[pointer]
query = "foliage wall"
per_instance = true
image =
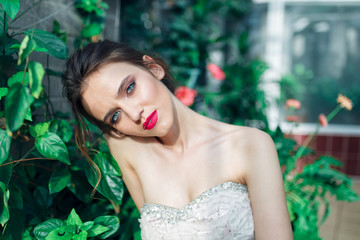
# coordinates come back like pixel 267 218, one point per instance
pixel 46 192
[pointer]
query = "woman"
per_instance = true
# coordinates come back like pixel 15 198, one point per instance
pixel 191 177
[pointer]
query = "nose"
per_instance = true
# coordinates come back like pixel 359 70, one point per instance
pixel 133 111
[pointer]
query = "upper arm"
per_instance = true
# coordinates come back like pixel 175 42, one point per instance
pixel 128 173
pixel 266 189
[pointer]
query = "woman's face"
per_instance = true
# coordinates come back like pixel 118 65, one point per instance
pixel 130 99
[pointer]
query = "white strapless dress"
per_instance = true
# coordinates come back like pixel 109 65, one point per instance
pixel 222 212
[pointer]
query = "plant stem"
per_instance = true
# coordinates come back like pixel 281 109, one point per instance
pixel 333 113
pixel 28 153
pixel 25 160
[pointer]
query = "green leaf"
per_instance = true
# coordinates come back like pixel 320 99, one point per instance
pixel 15 226
pixel 28 115
pixel 17 103
pixel 97 230
pixel 4 208
pixel 62 233
pixel 87 225
pixel 81 236
pixel 108 164
pixel 26 48
pixel 74 219
pixel 3 92
pixel 59 180
pixel 5 142
pixel 36 74
pixel 62 128
pixel 18 78
pixel 55 46
pixel 6 172
pixel 39 129
pixel 91 30
pixel 50 145
pixel 112 222
pixel 42 197
pixel 44 228
pixel 11 7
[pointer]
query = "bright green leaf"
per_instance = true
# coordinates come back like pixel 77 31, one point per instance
pixel 28 115
pixel 59 180
pixel 91 30
pixel 112 222
pixel 97 230
pixel 26 48
pixel 39 129
pixel 3 92
pixel 17 103
pixel 51 146
pixel 87 225
pixel 5 142
pixel 18 78
pixel 4 208
pixel 62 233
pixel 11 7
pixel 55 46
pixel 36 74
pixel 81 236
pixel 43 229
pixel 74 219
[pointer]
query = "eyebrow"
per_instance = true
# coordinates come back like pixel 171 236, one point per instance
pixel 118 93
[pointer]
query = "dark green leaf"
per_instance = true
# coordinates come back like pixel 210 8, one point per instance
pixel 4 208
pixel 18 78
pixel 15 200
pixel 112 222
pixel 11 7
pixel 91 30
pixel 55 46
pixel 15 226
pixel 6 172
pixel 36 74
pixel 5 141
pixel 2 12
pixel 43 229
pixel 17 103
pixel 51 146
pixel 42 197
pixel 59 180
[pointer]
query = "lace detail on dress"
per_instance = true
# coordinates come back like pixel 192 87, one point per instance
pixel 222 212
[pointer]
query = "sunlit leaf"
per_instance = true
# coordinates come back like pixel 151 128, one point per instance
pixel 112 222
pixel 36 74
pixel 43 229
pixel 3 92
pixel 51 146
pixel 74 219
pixel 18 78
pixel 11 7
pixel 26 48
pixel 97 230
pixel 62 233
pixel 17 103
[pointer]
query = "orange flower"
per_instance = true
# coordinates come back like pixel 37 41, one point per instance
pixel 293 103
pixel 323 120
pixel 186 95
pixel 344 102
pixel 216 71
pixel 292 118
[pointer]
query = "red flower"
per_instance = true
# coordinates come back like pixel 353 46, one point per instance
pixel 292 118
pixel 323 120
pixel 186 95
pixel 216 71
pixel 293 103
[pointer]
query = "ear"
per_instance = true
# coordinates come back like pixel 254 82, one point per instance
pixel 154 68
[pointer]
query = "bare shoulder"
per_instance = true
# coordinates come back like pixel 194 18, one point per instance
pixel 263 177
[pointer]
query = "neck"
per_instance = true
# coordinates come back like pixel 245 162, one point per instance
pixel 186 128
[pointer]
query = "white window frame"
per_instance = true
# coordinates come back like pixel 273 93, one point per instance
pixel 274 56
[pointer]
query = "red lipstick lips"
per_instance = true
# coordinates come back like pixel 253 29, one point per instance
pixel 150 121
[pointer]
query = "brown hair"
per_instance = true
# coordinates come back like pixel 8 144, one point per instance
pixel 85 62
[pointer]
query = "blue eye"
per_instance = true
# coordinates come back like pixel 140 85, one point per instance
pixel 130 88
pixel 114 118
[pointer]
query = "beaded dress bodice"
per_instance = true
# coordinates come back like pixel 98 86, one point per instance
pixel 222 212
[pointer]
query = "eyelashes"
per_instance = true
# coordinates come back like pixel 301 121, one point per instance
pixel 116 115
